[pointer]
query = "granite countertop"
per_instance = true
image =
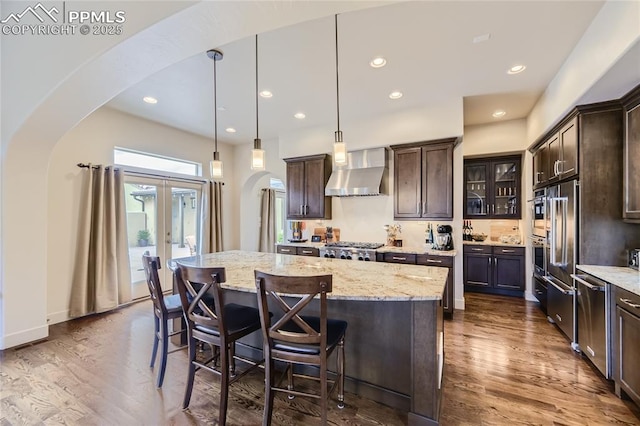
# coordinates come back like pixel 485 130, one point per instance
pixel 621 276
pixel 351 280
pixel 491 243
pixel 416 250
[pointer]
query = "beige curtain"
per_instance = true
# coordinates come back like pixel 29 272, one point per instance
pixel 101 279
pixel 268 221
pixel 211 229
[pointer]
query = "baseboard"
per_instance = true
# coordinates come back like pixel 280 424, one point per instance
pixel 530 297
pixel 24 337
pixel 459 304
pixel 58 317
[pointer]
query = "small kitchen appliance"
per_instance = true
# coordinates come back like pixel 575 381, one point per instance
pixel 444 239
pixel 634 258
pixel 297 227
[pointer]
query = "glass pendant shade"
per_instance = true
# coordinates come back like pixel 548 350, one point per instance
pixel 215 166
pixel 339 149
pixel 257 159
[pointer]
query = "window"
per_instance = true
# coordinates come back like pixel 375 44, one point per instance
pixel 125 157
pixel 278 185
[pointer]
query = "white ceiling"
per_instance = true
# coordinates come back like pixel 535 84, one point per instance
pixel 430 56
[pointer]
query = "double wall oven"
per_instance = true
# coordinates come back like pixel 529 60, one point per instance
pixel 538 239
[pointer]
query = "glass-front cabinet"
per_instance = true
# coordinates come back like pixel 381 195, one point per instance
pixel 492 187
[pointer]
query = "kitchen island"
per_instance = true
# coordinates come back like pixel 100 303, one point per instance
pixel 395 339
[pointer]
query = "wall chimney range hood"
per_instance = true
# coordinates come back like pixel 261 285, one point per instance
pixel 365 173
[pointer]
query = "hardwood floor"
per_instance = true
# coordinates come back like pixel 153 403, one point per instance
pixel 505 365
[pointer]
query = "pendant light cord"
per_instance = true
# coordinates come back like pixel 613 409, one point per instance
pixel 257 135
pixel 215 104
pixel 337 76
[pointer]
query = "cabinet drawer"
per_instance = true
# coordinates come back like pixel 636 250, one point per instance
pixel 509 251
pixel 308 251
pixel 625 299
pixel 286 250
pixel 477 249
pixel 433 260
pixel 400 258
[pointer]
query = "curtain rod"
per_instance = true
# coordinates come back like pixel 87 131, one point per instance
pixel 146 174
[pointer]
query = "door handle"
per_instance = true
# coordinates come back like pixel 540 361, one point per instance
pixel 418 208
pixel 564 291
pixel 508 251
pixel 398 258
pixel 587 284
pixel 434 261
pixel 424 207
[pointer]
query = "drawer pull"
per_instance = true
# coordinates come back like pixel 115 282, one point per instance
pixel 628 302
pixel 477 249
pixel 508 251
pixel 399 258
pixel 285 250
pixel 307 251
pixel 434 261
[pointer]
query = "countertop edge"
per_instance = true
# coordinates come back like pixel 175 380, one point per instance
pixel 621 276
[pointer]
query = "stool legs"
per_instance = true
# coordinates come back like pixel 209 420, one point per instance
pixel 191 373
pixel 154 351
pixel 341 373
pixel 224 383
pixel 268 391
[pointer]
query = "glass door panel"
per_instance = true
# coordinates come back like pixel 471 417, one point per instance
pixel 141 201
pixel 183 234
pixel 476 190
pixel 505 187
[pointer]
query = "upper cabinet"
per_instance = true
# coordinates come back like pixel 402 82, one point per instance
pixel 306 180
pixel 631 192
pixel 492 187
pixel 557 157
pixel 423 180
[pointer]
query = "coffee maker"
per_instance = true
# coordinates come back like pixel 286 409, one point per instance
pixel 444 239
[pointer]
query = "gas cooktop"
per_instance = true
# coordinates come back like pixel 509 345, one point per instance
pixel 356 245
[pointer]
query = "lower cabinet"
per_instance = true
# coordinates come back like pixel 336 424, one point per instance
pixel 300 251
pixel 627 344
pixel 428 260
pixel 494 269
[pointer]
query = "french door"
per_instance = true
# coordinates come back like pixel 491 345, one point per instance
pixel 163 218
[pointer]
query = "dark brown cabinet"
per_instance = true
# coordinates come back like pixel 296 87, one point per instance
pixel 428 260
pixel 492 188
pixel 306 180
pixel 494 269
pixel 631 190
pixel 423 180
pixel 299 251
pixel 627 344
pixel 445 262
pixel 557 158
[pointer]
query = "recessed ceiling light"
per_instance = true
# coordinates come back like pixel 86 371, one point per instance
pixel 150 100
pixel 266 94
pixel 499 113
pixel 516 69
pixel 378 62
pixel 230 130
pixel 395 95
pixel 299 115
pixel 221 108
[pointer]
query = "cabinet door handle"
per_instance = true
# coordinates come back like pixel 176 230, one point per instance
pixel 306 209
pixel 301 210
pixel 489 260
pixel 434 261
pixel 424 207
pixel 493 209
pixel 398 258
pixel 418 207
pixel 628 302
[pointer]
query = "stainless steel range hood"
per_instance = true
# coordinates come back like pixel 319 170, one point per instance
pixel 366 173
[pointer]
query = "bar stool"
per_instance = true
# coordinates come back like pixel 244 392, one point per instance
pixel 165 309
pixel 218 326
pixel 299 339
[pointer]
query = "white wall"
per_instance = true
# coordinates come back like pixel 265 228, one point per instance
pixel 93 141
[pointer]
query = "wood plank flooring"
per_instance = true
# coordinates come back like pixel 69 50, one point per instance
pixel 505 365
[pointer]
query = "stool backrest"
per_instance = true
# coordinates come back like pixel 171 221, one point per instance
pixel 272 291
pixel 151 265
pixel 193 284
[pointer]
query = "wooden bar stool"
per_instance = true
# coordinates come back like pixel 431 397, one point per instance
pixel 298 339
pixel 165 309
pixel 218 326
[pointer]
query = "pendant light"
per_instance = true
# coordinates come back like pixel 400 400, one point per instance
pixel 216 165
pixel 257 154
pixel 339 147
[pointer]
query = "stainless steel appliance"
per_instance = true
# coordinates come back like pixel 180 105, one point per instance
pixel 634 258
pixel 594 337
pixel 562 204
pixel 347 250
pixel 538 222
